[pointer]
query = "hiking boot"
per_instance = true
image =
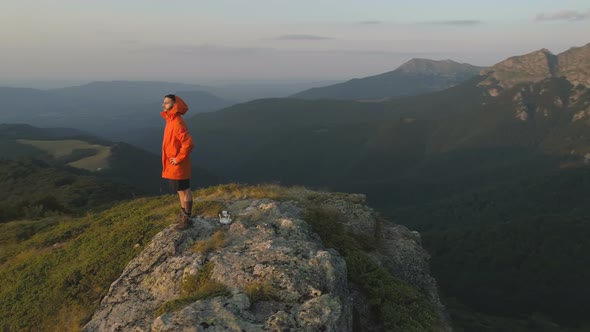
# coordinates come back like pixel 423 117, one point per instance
pixel 184 222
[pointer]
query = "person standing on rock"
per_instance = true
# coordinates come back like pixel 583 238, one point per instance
pixel 177 144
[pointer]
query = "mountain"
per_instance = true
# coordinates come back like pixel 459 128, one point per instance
pixel 415 77
pixel 333 265
pixel 115 162
pixel 540 65
pixel 106 109
pixel 124 93
pixel 251 90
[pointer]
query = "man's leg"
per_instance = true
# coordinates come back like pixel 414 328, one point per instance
pixel 185 197
pixel 186 201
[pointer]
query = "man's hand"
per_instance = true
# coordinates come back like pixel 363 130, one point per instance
pixel 173 161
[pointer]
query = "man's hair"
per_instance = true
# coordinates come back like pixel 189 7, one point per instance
pixel 173 97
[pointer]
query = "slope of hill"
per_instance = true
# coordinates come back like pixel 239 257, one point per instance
pixel 518 269
pixel 119 162
pixel 415 77
pixel 33 189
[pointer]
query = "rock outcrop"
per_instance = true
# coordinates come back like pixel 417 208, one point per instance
pixel 269 243
pixel 573 65
pixel 532 67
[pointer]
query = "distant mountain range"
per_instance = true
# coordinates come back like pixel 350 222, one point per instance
pixel 339 142
pixel 415 77
pixel 106 109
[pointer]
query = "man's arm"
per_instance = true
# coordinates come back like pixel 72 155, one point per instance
pixel 186 143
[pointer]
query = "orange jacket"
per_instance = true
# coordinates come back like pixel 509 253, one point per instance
pixel 177 143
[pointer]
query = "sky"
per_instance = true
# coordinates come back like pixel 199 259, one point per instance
pixel 202 41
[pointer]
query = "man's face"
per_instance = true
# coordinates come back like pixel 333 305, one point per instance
pixel 167 104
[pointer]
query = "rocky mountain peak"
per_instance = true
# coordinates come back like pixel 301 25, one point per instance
pixel 267 271
pixel 534 67
pixel 574 65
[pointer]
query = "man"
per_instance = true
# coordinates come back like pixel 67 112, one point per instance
pixel 177 144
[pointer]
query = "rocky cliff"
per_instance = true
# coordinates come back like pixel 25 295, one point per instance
pixel 278 267
pixel 573 65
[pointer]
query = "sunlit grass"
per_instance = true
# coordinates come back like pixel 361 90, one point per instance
pixel 63 148
pixel 67 267
pixel 195 287
pixel 215 242
pixel 261 291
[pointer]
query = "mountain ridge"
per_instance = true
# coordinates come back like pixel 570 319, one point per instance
pixel 417 76
pixel 572 64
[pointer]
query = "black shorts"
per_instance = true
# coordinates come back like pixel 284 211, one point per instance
pixel 180 185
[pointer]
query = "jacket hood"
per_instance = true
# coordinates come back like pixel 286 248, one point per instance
pixel 180 108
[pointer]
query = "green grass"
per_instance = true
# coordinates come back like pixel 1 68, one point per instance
pixel 67 265
pixel 261 291
pixel 235 191
pixel 216 242
pixel 195 287
pixel 208 208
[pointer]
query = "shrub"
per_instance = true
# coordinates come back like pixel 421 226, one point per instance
pixel 260 291
pixel 195 287
pixel 216 241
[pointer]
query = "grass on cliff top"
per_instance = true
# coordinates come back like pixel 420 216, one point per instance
pixel 237 191
pixel 261 291
pixel 215 242
pixel 53 278
pixel 195 287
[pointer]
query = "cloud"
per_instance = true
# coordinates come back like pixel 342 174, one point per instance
pixel 340 52
pixel 370 22
pixel 563 15
pixel 302 37
pixel 456 22
pixel 220 51
pixel 130 42
pixel 204 50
